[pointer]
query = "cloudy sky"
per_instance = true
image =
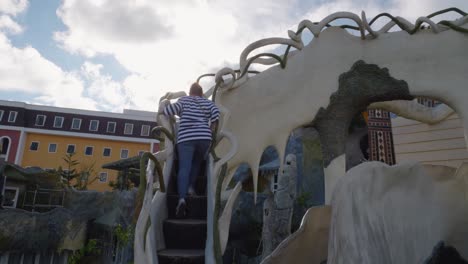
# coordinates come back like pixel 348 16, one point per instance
pixel 113 54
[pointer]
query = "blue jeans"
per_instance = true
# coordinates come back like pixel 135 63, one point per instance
pixel 191 156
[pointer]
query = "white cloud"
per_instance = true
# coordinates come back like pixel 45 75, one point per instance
pixel 165 45
pixel 110 94
pixel 9 26
pixel 408 9
pixel 25 70
pixel 197 38
pixel 13 7
pixel 413 9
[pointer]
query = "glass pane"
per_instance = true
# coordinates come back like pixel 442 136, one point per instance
pixel 89 151
pixel 52 147
pixel 71 149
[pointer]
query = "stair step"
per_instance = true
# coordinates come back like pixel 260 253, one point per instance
pixel 181 256
pixel 185 233
pixel 196 206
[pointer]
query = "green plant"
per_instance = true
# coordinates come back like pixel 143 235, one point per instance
pixel 71 177
pixel 70 173
pixel 91 248
pixel 124 180
pixel 87 176
pixel 302 199
pixel 123 235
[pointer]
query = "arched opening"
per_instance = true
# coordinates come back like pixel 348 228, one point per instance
pixel 245 228
pixel 357 145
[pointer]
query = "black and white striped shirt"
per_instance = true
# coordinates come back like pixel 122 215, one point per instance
pixel 196 114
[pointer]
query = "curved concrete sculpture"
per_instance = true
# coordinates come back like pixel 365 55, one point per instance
pixel 384 214
pixel 397 214
pixel 414 110
pixel 297 248
pixel 333 78
pixel 324 84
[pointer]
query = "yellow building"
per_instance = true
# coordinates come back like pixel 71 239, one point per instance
pixel 41 136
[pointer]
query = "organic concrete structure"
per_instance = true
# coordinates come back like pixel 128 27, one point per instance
pixel 278 208
pixel 376 206
pixel 323 84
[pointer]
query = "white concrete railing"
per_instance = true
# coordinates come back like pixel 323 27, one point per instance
pixel 149 236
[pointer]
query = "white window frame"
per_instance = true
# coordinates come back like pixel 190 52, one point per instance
pixel 130 125
pixel 36 123
pixel 15 200
pixel 73 122
pixel 122 151
pixel 103 173
pixel 61 118
pixel 1 114
pixel 74 148
pixel 56 147
pixel 91 123
pixel 148 131
pixel 104 149
pixel 12 120
pixel 30 145
pixel 92 150
pixel 107 129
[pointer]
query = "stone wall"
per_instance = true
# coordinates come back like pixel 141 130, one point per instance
pixel 63 228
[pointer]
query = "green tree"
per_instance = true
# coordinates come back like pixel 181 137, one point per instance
pixel 70 173
pixel 72 177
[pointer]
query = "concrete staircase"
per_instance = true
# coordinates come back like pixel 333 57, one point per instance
pixel 185 238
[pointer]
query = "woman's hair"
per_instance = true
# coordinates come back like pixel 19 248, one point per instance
pixel 196 89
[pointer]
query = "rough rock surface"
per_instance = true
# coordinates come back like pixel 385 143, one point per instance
pixel 445 254
pixel 62 228
pixel 278 208
pixel 396 214
pixel 357 89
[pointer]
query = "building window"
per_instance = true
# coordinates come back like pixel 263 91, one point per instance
pixel 103 176
pixel 89 151
pixel 76 123
pixel 145 130
pixel 111 127
pixel 106 152
pixel 52 147
pixel 128 129
pixel 58 121
pixel 94 125
pixel 10 198
pixel 141 152
pixel 40 120
pixel 4 148
pixel 34 146
pixel 124 153
pixel 12 116
pixel 70 148
pixel 1 114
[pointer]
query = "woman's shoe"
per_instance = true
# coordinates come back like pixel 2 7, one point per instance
pixel 191 191
pixel 181 208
